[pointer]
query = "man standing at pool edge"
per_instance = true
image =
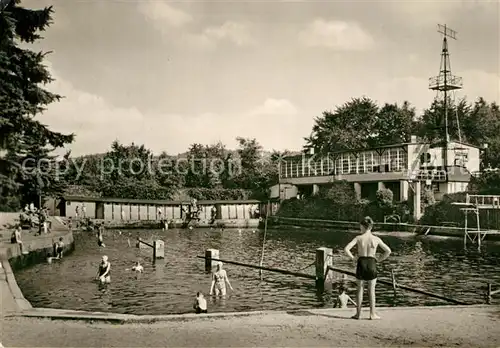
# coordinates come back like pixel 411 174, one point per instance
pixel 366 269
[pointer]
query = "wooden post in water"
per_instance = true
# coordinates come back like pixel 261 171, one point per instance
pixel 323 262
pixel 154 250
pixel 209 255
pixel 488 298
pixel 159 249
pixel 394 285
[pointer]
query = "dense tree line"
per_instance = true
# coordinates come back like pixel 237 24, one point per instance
pixel 28 169
pixel 361 123
pixel 203 172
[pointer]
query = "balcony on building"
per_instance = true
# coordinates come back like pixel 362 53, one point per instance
pixel 387 166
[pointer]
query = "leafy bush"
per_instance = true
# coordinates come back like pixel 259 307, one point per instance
pixel 427 197
pixel 339 191
pixel 218 194
pixel 10 204
pixel 442 211
pixel 325 209
pixel 318 207
pixel 385 197
pixel 445 211
pixel 137 189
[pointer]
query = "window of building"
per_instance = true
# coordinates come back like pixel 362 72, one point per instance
pixel 353 164
pixel 375 161
pixel 299 168
pixel 385 160
pixel 425 158
pixel 393 160
pixel 338 165
pixel 370 161
pixel 361 162
pixel 401 161
pixel 321 166
pixel 328 165
pixel 345 164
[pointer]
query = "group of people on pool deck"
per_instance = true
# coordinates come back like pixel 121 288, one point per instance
pixel 366 271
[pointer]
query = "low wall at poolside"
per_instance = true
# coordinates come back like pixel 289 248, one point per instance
pixel 176 223
pixel 446 231
pixel 277 221
pixel 37 249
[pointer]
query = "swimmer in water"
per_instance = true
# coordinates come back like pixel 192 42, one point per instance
pixel 59 247
pixel 366 269
pixel 200 303
pixel 103 273
pixel 343 299
pixel 219 280
pixel 137 268
pixel 100 233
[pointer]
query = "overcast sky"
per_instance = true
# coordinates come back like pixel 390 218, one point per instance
pixel 171 73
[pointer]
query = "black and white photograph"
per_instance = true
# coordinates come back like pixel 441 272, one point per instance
pixel 249 173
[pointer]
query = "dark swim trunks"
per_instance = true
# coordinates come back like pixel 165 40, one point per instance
pixel 366 268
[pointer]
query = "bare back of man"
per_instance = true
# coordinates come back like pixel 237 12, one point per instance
pixel 366 268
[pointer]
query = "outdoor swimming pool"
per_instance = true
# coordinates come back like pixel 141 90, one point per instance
pixel 435 264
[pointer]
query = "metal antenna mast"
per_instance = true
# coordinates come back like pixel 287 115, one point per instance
pixel 445 82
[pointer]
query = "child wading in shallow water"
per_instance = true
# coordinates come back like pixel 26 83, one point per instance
pixel 59 248
pixel 104 270
pixel 200 303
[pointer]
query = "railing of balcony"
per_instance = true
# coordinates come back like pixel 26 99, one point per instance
pixel 432 174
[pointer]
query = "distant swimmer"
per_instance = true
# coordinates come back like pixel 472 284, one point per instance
pixel 100 233
pixel 59 247
pixel 219 280
pixel 104 271
pixel 366 269
pixel 343 299
pixel 137 268
pixel 200 304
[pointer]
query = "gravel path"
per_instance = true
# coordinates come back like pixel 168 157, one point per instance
pixel 418 327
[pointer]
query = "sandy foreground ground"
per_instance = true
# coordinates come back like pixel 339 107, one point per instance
pixel 418 327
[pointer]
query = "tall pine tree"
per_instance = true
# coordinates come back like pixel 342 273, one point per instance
pixel 22 98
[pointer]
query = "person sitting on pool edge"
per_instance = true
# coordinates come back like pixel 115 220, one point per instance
pixel 59 247
pixel 200 304
pixel 103 273
pixel 343 299
pixel 366 269
pixel 219 280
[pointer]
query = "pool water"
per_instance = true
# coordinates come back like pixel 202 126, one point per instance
pixel 435 264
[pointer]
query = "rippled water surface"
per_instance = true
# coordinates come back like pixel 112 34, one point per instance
pixel 435 264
